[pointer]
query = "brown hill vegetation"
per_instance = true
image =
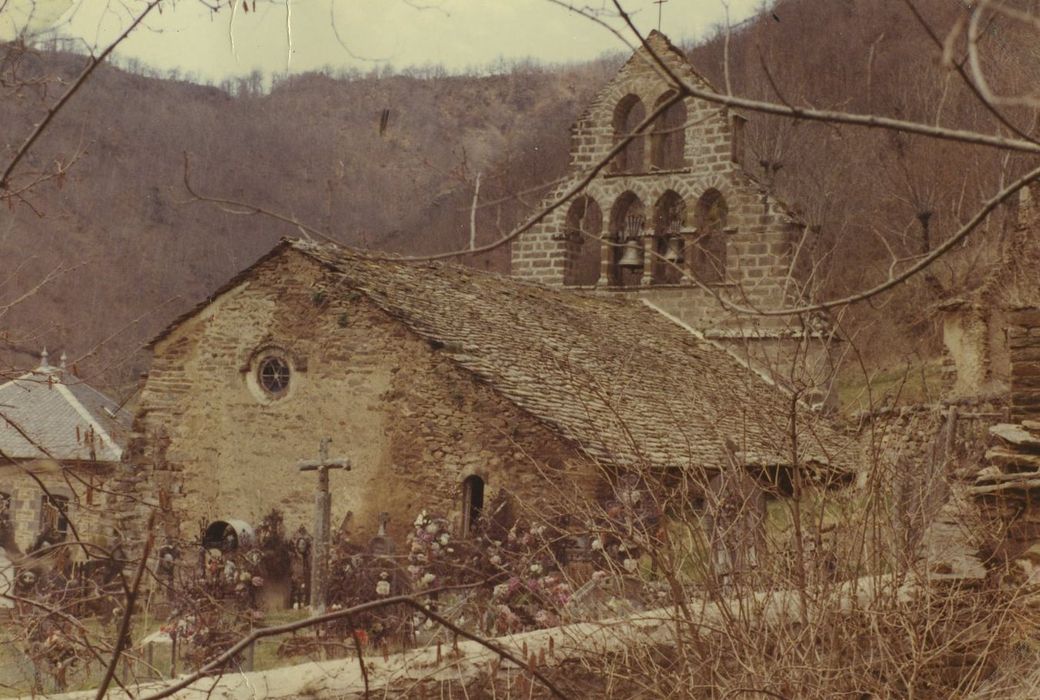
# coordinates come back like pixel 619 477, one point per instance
pixel 312 148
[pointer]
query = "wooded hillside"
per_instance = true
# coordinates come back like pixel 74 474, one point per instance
pixel 316 147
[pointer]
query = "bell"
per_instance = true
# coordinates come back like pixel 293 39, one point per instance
pixel 632 257
pixel 674 253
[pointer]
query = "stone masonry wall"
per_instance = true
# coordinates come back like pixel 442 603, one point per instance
pixel 911 431
pixel 1023 339
pixel 412 422
pixel 87 506
pixel 760 234
pixel 920 469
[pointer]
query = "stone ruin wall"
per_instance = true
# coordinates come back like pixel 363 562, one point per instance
pixel 999 505
pixel 1023 345
pixel 911 446
pixel 921 458
pixel 413 423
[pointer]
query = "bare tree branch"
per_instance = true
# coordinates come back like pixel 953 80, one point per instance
pixel 53 111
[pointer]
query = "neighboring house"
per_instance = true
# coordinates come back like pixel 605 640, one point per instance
pixel 60 443
pixel 442 385
pixel 677 219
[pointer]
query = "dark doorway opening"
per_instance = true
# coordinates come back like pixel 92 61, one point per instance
pixel 226 536
pixel 472 503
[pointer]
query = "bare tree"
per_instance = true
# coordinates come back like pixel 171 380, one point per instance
pixel 777 579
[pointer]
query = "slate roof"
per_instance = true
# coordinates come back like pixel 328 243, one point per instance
pixel 50 413
pixel 625 383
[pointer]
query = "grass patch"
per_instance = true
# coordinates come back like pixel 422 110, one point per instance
pixel 824 516
pixel 921 382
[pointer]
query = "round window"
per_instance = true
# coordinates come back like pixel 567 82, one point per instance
pixel 273 375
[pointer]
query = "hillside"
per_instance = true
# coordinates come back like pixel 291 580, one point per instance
pixel 314 148
pixel 311 148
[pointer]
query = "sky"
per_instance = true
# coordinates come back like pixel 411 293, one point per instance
pixel 279 36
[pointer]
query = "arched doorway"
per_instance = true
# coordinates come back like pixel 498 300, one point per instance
pixel 227 535
pixel 472 503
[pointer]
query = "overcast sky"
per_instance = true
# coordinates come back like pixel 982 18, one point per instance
pixel 299 35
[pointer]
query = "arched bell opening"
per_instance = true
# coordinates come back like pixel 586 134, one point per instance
pixel 669 245
pixel 708 258
pixel 628 114
pixel 582 231
pixel 626 261
pixel 668 138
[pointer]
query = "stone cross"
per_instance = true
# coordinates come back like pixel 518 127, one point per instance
pixel 660 6
pixel 322 515
pixel 381 544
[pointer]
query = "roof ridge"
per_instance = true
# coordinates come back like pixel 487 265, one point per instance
pixel 582 363
pixel 85 414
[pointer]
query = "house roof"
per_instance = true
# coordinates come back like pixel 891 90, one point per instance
pixel 622 381
pixel 51 413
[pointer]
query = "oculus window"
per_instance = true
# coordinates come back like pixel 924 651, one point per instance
pixel 273 375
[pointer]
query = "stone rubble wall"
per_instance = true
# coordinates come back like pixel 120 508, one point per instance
pixel 924 469
pixel 1023 338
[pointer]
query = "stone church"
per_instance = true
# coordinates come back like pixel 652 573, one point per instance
pixel 605 352
pixel 442 385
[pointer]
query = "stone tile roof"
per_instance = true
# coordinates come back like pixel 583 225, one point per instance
pixel 617 378
pixel 50 414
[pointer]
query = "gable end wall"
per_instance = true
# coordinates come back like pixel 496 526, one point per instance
pixel 413 423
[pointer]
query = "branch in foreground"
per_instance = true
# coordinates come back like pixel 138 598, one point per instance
pixel 243 643
pixel 895 124
pixel 590 640
pixel 53 111
pixel 684 89
pixel 963 233
pixel 128 613
pixel 522 228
